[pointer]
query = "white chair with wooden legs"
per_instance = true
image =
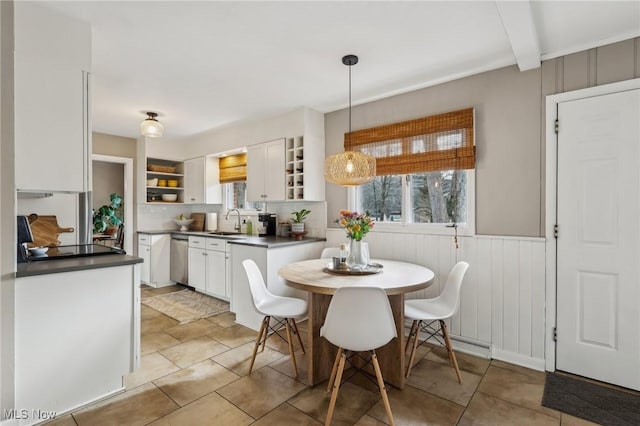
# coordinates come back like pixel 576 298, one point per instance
pixel 362 326
pixel 329 252
pixel 425 312
pixel 283 310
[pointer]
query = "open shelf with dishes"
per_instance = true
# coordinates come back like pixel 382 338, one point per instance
pixel 165 181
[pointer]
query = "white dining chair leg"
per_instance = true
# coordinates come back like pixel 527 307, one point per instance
pixel 333 371
pixel 295 326
pixel 290 342
pixel 267 321
pixel 258 339
pixel 383 390
pixel 336 386
pixel 413 348
pixel 412 333
pixel 452 354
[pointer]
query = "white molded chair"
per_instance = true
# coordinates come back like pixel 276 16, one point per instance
pixel 329 252
pixel 284 310
pixel 429 311
pixel 362 326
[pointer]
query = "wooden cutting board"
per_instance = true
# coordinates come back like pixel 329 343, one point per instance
pixel 198 222
pixel 45 230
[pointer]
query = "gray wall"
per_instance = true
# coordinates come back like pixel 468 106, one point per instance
pixel 509 107
pixel 107 178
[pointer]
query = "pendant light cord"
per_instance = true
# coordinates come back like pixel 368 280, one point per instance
pixel 350 106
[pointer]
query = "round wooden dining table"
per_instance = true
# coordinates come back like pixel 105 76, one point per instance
pixel 396 278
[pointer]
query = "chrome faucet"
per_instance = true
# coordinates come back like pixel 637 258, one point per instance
pixel 238 227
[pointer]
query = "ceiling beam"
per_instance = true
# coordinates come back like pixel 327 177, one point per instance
pixel 517 21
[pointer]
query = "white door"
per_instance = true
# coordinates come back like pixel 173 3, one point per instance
pixel 598 301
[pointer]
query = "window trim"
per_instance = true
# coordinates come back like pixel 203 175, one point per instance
pixel 469 229
pixel 226 197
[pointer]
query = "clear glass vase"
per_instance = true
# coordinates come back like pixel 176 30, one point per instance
pixel 358 256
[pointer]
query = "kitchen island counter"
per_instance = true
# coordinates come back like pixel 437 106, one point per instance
pixel 84 314
pixel 55 266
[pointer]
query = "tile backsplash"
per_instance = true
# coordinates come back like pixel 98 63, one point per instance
pixel 160 216
pixel 152 217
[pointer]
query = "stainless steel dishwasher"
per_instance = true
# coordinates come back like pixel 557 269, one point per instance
pixel 179 259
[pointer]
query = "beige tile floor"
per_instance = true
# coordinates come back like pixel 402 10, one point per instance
pixel 197 374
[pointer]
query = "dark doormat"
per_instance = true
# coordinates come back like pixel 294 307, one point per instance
pixel 590 401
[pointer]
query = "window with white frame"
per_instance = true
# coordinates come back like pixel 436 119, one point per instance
pixel 424 170
pixel 235 197
pixel 233 177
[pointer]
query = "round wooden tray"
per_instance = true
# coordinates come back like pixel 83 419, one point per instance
pixel 372 268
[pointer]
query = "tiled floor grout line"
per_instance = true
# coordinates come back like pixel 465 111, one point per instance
pixel 272 366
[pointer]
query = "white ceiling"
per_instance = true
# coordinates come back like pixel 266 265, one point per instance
pixel 206 64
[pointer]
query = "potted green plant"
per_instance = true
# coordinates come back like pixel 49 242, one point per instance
pixel 108 217
pixel 297 222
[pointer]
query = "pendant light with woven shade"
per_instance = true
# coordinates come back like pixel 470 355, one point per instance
pixel 350 168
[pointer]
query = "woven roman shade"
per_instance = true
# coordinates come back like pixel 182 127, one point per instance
pixel 438 142
pixel 233 168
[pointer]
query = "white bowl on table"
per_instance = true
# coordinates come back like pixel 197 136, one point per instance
pixel 169 197
pixel 183 223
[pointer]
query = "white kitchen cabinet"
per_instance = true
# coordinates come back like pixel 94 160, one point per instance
pixel 201 181
pixel 269 261
pixel 208 266
pixel 266 171
pixel 52 100
pixel 144 251
pixel 154 249
pixel 198 268
pixel 216 280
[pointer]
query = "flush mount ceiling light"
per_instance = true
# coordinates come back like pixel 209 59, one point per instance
pixel 151 127
pixel 350 168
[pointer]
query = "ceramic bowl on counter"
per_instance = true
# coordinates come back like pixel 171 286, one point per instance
pixel 183 223
pixel 169 197
pixel 37 251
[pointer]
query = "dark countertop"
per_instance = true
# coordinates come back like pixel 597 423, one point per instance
pixel 44 267
pixel 268 242
pixel 273 242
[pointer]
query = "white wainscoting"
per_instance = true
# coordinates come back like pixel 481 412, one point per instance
pixel 503 296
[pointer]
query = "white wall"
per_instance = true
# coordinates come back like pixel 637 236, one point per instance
pixel 7 208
